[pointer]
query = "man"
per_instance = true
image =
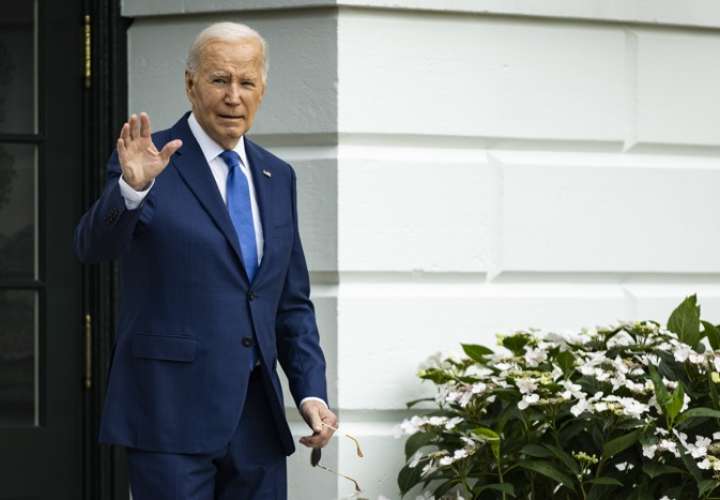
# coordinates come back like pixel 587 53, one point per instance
pixel 214 291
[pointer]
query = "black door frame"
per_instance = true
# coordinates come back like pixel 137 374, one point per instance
pixel 104 110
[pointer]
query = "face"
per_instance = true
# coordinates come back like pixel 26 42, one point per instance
pixel 226 89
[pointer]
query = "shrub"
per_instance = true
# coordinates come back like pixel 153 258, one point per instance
pixel 630 410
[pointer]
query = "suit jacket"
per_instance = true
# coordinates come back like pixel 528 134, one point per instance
pixel 189 316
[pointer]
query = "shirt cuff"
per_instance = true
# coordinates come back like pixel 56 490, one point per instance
pixel 313 398
pixel 133 198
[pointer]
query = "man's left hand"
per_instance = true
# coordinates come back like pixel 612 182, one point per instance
pixel 314 412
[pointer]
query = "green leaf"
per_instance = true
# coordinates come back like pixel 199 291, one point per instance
pixel 565 458
pixel 506 488
pixel 605 481
pixel 654 470
pixel 437 376
pixel 407 478
pixel 617 445
pixel 713 334
pixel 476 352
pixel 412 403
pixel 691 466
pixel 685 321
pixel 547 469
pixel 417 441
pixel 673 407
pixel 492 437
pixel 566 361
pixel 516 343
pixel 661 392
pixel 537 451
pixel 707 486
pixel 698 413
pixel 445 487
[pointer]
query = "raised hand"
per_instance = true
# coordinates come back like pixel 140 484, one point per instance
pixel 140 160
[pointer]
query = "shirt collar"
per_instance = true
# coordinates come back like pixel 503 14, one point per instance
pixel 211 149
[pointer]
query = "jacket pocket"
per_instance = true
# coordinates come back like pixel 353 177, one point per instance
pixel 164 347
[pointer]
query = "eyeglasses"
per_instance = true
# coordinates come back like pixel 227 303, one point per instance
pixel 316 453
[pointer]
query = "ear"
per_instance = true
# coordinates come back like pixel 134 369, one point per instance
pixel 189 83
pixel 262 92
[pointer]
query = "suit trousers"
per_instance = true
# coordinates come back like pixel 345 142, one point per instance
pixel 243 470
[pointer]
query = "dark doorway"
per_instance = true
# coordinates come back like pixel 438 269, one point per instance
pixel 41 347
pixel 62 94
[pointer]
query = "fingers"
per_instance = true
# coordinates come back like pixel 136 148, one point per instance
pixel 121 151
pixel 321 433
pixel 169 149
pixel 125 132
pixel 144 125
pixel 134 124
pixel 317 440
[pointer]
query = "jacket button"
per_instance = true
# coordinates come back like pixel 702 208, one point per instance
pixel 247 342
pixel 251 295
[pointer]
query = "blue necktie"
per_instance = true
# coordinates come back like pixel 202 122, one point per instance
pixel 238 204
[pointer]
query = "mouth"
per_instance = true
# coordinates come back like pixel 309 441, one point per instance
pixel 232 117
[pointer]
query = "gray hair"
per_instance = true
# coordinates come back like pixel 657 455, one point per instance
pixel 226 32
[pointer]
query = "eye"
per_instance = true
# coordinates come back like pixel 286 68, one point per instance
pixel 248 84
pixel 219 80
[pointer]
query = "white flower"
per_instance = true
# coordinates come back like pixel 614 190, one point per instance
pixel 704 464
pixel 526 385
pixel 446 461
pixel 478 371
pixel 478 388
pixel 716 436
pixel 682 352
pixel 622 466
pixel 528 400
pixel 649 450
pixel 533 357
pixel 461 453
pixel 450 424
pixel 412 425
pixel 697 358
pixel 668 445
pixel 699 449
pixel 686 403
pixel 579 407
pixel 437 421
pixel 621 338
pixel 465 398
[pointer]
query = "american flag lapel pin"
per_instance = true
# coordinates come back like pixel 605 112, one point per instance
pixel 267 173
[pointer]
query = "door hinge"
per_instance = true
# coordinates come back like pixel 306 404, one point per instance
pixel 88 352
pixel 88 52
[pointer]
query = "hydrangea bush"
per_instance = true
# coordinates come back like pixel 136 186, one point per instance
pixel 630 410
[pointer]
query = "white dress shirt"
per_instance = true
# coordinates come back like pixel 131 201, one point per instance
pixel 211 151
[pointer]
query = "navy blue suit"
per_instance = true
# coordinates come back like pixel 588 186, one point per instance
pixel 189 316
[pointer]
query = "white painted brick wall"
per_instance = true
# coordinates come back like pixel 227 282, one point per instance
pixel 462 175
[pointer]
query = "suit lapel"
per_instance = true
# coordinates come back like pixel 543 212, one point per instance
pixel 263 193
pixel 194 170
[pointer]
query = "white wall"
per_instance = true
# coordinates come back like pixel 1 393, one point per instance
pixel 465 171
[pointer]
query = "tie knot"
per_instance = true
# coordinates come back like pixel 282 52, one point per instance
pixel 231 158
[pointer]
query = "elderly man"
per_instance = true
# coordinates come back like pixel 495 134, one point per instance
pixel 214 291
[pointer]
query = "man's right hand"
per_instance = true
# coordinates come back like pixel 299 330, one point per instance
pixel 140 160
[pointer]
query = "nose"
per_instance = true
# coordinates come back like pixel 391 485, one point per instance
pixel 232 95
